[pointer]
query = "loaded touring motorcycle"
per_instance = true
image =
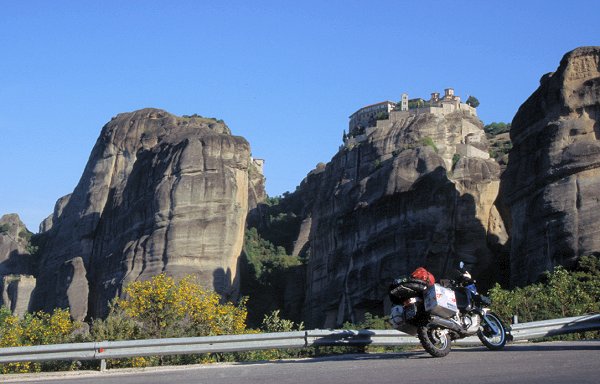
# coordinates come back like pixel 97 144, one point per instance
pixel 440 313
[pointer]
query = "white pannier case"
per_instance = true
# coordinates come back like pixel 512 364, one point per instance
pixel 440 301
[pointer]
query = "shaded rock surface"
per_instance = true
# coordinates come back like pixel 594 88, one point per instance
pixel 552 180
pixel 160 193
pixel 15 258
pixel 16 264
pixel 391 203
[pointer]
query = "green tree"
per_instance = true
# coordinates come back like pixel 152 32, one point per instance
pixel 266 259
pixel 472 101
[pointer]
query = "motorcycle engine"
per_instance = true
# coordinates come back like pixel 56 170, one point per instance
pixel 471 323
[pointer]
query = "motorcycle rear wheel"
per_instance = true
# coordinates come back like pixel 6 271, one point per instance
pixel 494 340
pixel 435 340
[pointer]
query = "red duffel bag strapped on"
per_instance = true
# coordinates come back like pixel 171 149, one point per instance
pixel 423 274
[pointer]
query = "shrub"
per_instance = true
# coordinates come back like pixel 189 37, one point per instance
pixel 455 159
pixel 4 228
pixel 273 323
pixel 116 326
pixel 382 115
pixel 428 141
pixel 165 308
pixel 562 294
pixel 494 128
pixel 36 329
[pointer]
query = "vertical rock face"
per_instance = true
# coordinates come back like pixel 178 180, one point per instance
pixel 400 198
pixel 16 265
pixel 14 238
pixel 159 193
pixel 16 293
pixel 552 180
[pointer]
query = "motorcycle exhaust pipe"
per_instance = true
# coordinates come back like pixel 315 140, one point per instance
pixel 447 324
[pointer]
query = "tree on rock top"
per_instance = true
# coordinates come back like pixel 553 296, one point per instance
pixel 473 102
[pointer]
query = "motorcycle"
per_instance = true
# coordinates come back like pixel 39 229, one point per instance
pixel 440 313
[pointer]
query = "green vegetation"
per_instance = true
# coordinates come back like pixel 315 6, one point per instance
pixel 271 201
pixel 197 116
pixel 472 101
pixel 455 159
pixel 500 148
pixel 560 294
pixel 382 115
pixel 356 131
pixel 428 141
pixel 416 103
pixel 161 307
pixel 37 329
pixel 279 222
pixel 494 128
pixel 266 269
pixel 499 139
pixel 25 235
pixel 267 260
pixel 4 228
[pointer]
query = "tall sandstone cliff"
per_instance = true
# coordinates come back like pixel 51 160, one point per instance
pixel 159 193
pixel 16 265
pixel 552 180
pixel 398 198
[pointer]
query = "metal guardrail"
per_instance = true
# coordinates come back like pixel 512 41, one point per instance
pixel 555 327
pixel 283 340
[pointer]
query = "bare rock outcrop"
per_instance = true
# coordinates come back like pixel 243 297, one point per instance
pixel 160 193
pixel 15 257
pixel 16 265
pixel 552 180
pixel 16 293
pixel 413 191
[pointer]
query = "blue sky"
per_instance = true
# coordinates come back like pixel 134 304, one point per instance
pixel 285 75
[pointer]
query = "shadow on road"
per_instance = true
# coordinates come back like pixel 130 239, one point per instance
pixel 535 347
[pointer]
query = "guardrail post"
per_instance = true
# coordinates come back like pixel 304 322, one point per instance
pixel 515 319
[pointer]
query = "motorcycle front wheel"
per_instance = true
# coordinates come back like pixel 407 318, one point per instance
pixel 492 333
pixel 435 340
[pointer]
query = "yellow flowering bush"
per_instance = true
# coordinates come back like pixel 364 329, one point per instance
pixel 34 329
pixel 166 308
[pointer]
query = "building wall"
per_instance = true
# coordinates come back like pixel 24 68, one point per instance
pixel 365 117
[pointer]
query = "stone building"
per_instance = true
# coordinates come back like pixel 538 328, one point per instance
pixel 367 116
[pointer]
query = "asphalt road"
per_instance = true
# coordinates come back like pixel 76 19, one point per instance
pixel 557 362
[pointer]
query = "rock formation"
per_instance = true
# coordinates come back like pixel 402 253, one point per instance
pixel 16 293
pixel 400 197
pixel 552 180
pixel 16 264
pixel 159 193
